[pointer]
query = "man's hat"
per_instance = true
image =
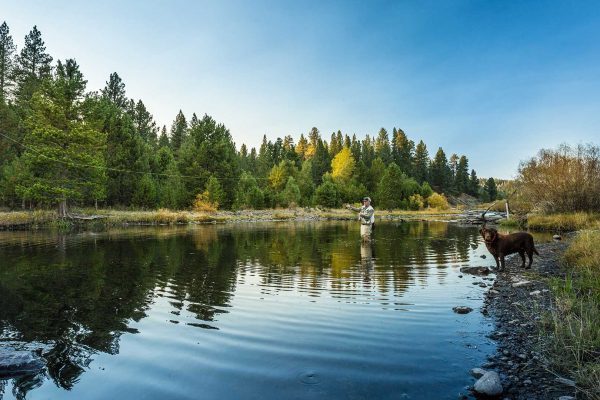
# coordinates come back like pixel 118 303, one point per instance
pixel 366 199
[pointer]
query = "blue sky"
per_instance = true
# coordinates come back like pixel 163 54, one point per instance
pixel 494 80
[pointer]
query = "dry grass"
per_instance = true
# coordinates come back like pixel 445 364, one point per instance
pixel 564 222
pixel 573 326
pixel 20 218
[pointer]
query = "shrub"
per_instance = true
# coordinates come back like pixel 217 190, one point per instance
pixel 203 203
pixel 563 180
pixel 438 201
pixel 415 202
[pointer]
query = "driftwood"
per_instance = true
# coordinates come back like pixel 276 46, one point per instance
pixel 477 217
pixel 85 217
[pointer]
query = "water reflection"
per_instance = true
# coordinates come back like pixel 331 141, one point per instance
pixel 71 297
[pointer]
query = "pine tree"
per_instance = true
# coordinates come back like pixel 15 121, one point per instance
pixel 462 175
pixel 490 189
pixel 440 173
pixel 389 190
pixel 473 184
pixel 33 66
pixel 382 147
pixel 179 131
pixel 403 151
pixel 163 140
pixel 7 50
pixel 144 123
pixel 66 164
pixel 114 91
pixel 302 147
pixel 421 169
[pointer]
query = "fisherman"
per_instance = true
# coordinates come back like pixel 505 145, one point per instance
pixel 366 216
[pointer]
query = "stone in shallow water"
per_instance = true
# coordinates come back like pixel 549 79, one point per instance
pixel 462 309
pixel 478 372
pixel 489 384
pixel 475 270
pixel 19 363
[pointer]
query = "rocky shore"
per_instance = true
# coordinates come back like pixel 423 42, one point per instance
pixel 516 302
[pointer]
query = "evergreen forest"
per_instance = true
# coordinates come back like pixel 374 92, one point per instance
pixel 63 145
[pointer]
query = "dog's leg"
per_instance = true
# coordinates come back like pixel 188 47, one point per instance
pixel 522 254
pixel 497 263
pixel 501 256
pixel 530 255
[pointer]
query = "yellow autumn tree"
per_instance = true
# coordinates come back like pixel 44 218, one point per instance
pixel 343 165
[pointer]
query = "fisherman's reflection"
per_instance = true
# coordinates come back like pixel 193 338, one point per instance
pixel 366 259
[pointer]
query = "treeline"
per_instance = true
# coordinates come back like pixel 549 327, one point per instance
pixel 61 144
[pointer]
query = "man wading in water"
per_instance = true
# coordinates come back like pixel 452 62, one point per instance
pixel 366 216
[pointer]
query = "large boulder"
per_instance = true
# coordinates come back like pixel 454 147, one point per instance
pixel 489 384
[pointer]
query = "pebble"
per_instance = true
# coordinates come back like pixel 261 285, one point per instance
pixel 521 284
pixel 535 293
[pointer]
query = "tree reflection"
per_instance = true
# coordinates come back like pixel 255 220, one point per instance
pixel 75 295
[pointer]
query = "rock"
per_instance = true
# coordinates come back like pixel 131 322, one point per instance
pixel 489 384
pixel 462 309
pixel 527 382
pixel 483 256
pixel 493 292
pixel 557 237
pixel 535 293
pixel 521 284
pixel 566 382
pixel 566 398
pixel 475 270
pixel 16 363
pixel 478 372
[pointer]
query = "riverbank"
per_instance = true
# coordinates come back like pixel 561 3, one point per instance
pixel 46 218
pixel 546 324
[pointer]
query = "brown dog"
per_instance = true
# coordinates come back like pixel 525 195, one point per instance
pixel 502 245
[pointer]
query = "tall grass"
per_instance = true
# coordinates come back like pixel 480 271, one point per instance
pixel 573 326
pixel 564 222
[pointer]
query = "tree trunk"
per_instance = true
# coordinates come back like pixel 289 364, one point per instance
pixel 62 209
pixel 96 204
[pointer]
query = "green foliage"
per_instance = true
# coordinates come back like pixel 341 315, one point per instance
pixel 216 195
pixel 291 194
pixel 103 146
pixel 426 190
pixel 390 191
pixel 62 155
pixel 145 194
pixel 114 91
pixel 440 173
pixel 490 191
pixel 7 49
pixel 248 194
pixel 327 194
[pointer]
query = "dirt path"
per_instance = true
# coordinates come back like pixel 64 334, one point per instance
pixel 515 302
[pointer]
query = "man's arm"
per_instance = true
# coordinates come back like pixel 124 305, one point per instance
pixel 349 207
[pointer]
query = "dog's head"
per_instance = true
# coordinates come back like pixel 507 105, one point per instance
pixel 488 234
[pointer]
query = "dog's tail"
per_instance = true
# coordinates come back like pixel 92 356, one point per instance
pixel 535 251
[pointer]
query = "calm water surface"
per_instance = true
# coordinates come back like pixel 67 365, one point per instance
pixel 260 311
